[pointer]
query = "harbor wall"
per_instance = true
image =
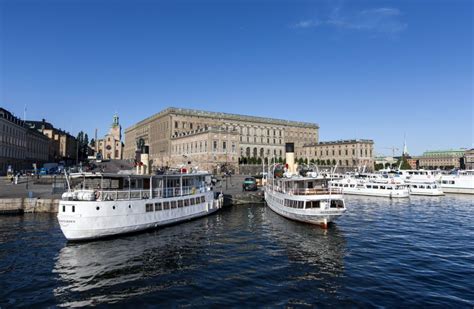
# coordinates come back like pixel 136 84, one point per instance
pixel 22 205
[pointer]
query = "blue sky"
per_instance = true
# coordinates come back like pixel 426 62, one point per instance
pixel 360 69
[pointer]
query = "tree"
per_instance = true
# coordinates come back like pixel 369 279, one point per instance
pixel 328 162
pixel 333 161
pixel 318 162
pixel 379 166
pixel 259 161
pixel 305 160
pixel 405 165
pixel 82 146
pixel 300 161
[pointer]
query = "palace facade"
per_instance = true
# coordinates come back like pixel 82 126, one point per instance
pixel 345 153
pixel 176 133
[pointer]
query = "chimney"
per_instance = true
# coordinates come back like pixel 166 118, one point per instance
pixel 290 157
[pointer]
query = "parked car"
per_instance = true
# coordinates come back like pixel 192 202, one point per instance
pixel 250 184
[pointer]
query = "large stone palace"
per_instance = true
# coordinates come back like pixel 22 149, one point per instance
pixel 177 136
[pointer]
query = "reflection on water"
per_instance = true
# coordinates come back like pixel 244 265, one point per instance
pixel 117 269
pixel 310 245
pixel 246 249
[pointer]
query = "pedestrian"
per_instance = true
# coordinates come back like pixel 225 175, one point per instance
pixel 16 179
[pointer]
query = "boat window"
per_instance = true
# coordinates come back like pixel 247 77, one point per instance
pixel 64 208
pixel 73 208
pixel 369 186
pixel 346 185
pixel 375 187
pixel 158 207
pixel 300 204
pixel 149 207
pixel 313 204
pixel 203 199
pixel 422 186
pixel 197 199
pixel 174 204
pixel 186 202
pixel 413 186
pixel 352 186
pixel 166 205
pixel 180 203
pixel 382 187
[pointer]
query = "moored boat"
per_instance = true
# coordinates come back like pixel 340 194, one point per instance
pixel 460 182
pixel 382 188
pixel 424 188
pixel 102 205
pixel 304 199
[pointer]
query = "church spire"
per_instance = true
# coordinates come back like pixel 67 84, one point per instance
pixel 405 148
pixel 116 120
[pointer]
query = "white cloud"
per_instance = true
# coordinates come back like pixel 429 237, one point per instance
pixel 306 24
pixel 382 20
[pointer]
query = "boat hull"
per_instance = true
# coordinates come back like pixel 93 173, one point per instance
pixel 457 190
pixel 94 220
pixel 378 193
pixel 312 216
pixel 427 192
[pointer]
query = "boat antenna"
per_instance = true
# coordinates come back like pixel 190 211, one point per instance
pixel 67 181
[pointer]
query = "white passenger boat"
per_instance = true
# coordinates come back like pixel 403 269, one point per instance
pixel 304 199
pixel 461 182
pixel 382 187
pixel 424 188
pixel 418 175
pixel 103 205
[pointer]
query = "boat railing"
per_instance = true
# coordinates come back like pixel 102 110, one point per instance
pixel 311 191
pixel 118 195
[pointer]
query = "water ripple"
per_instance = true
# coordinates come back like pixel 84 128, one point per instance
pixel 382 253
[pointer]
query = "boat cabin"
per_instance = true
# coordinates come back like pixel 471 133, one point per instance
pixel 104 186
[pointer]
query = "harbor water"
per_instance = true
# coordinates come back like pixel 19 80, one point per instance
pixel 391 253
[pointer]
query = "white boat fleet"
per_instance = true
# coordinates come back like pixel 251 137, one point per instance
pixel 403 183
pixel 98 205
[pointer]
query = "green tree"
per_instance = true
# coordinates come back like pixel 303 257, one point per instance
pixel 311 161
pixel 378 166
pixel 259 160
pixel 333 161
pixel 405 165
pixel 305 160
pixel 328 162
pixel 82 145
